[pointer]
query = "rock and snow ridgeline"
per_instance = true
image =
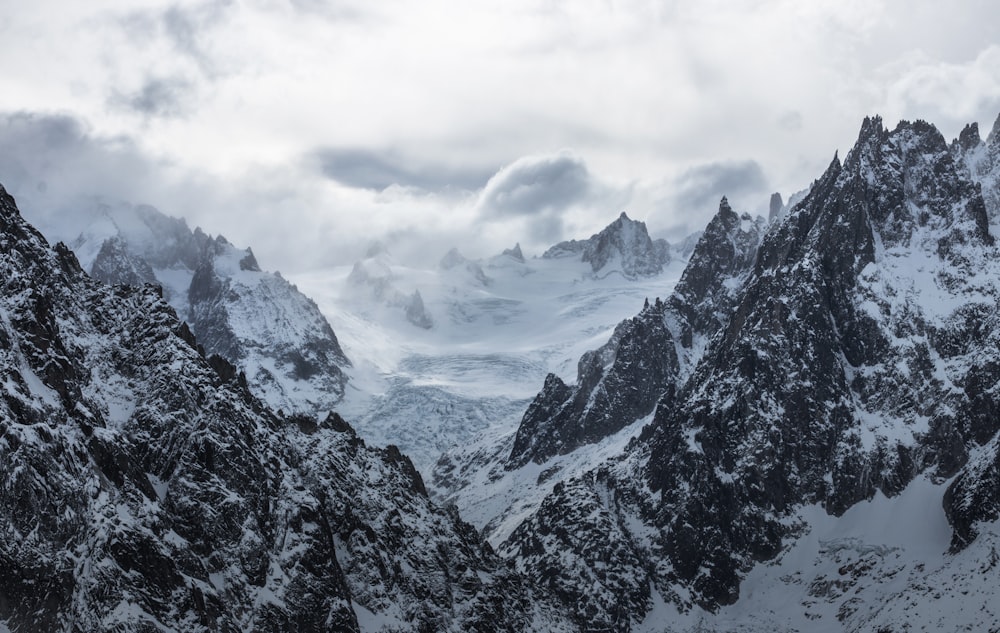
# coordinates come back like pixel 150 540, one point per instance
pixel 145 488
pixel 807 379
pixel 252 318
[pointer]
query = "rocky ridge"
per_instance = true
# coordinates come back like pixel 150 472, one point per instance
pixel 857 352
pixel 251 318
pixel 146 488
pixel 649 355
pixel 624 246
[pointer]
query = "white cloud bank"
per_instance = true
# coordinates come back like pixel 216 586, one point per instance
pixel 307 128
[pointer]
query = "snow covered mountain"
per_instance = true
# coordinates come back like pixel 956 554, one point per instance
pixel 623 247
pixel 253 319
pixel 648 355
pixel 145 488
pixel 847 367
pixel 491 330
pixel 779 426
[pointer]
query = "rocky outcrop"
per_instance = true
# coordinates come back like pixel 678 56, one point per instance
pixel 647 356
pixel 983 163
pixel 373 282
pixel 116 265
pixel 859 351
pixel 514 253
pixel 416 313
pixel 775 207
pixel 623 247
pixel 145 488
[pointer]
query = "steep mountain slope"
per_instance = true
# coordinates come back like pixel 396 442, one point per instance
pixel 502 477
pixel 982 159
pixel 497 327
pixel 623 247
pixel 860 352
pixel 144 488
pixel 254 319
pixel 648 355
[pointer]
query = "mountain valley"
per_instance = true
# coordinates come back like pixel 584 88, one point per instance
pixel 780 424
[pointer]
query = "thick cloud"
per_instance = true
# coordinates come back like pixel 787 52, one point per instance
pixel 379 170
pixel 57 152
pixel 701 187
pixel 536 185
pixel 948 94
pixel 206 108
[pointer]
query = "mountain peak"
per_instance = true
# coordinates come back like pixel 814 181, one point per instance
pixel 969 139
pixel 7 203
pixel 624 246
pixel 775 206
pixel 871 127
pixel 515 253
pixel 724 208
pixel 994 138
pixel 249 262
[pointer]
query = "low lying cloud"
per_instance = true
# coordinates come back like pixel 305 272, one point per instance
pixel 702 187
pixel 378 170
pixel 536 185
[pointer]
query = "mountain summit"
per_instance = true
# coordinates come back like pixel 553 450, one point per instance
pixel 624 246
pixel 145 488
pixel 846 354
pixel 253 319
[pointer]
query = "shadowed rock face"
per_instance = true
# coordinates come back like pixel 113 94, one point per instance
pixel 254 319
pixel 860 349
pixel 145 488
pixel 624 246
pixel 115 265
pixel 647 356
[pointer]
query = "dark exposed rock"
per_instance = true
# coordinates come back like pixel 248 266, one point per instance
pixel 775 207
pixel 624 246
pixel 115 265
pixel 515 253
pixel 416 313
pixel 144 489
pixel 828 377
pixel 639 366
pixel 618 383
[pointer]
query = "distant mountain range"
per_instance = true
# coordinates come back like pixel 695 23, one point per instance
pixel 780 424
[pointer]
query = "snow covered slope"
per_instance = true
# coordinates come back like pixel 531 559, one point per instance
pixel 493 329
pixel 145 489
pixel 858 356
pixel 254 319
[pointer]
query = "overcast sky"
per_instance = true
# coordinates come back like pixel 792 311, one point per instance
pixel 307 128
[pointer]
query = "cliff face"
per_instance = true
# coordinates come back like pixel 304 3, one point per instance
pixel 858 350
pixel 145 488
pixel 253 319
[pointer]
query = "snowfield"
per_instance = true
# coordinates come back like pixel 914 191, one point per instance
pixel 474 371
